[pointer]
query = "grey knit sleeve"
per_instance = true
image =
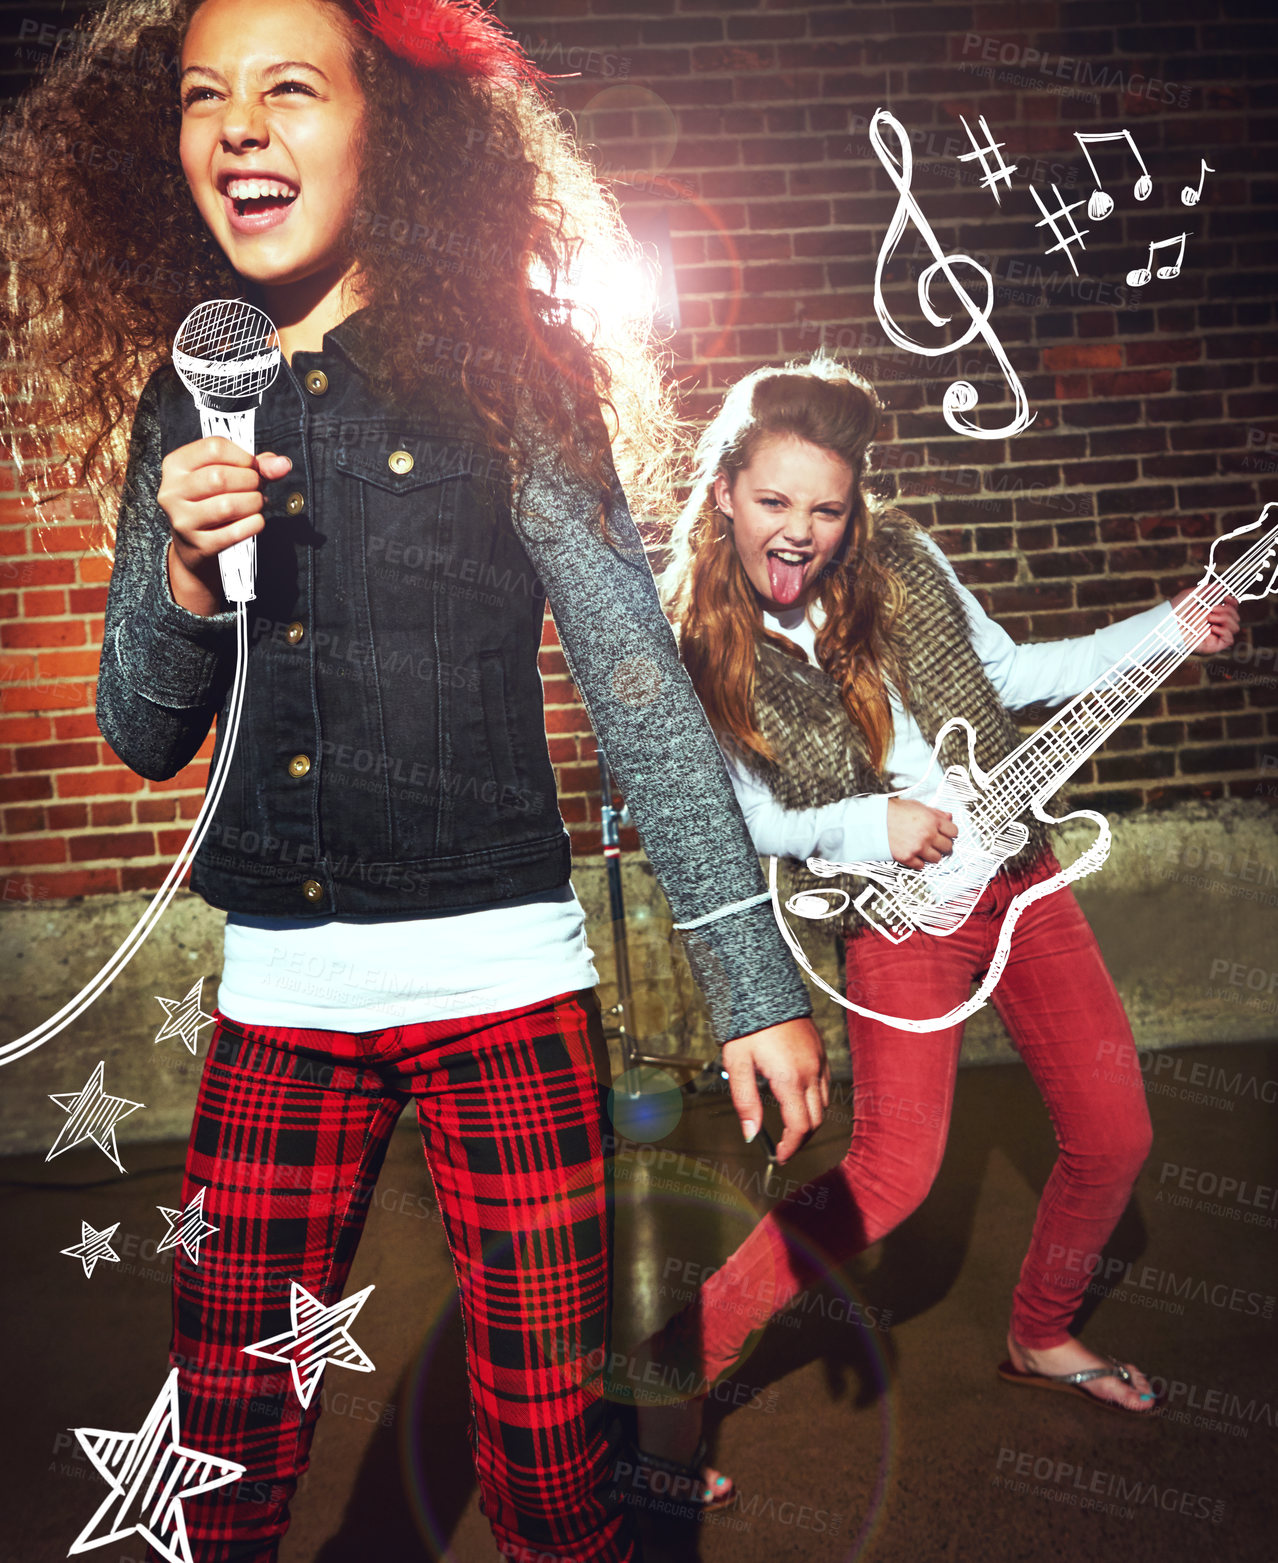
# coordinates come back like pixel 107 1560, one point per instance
pixel 163 669
pixel 650 724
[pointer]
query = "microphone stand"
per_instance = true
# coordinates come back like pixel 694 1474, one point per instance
pixel 632 1055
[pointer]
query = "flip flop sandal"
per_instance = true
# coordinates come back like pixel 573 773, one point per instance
pixel 684 1487
pixel 1072 1384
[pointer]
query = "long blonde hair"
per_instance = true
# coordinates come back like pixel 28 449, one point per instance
pixel 709 596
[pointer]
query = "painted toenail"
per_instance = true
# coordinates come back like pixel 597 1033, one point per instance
pixel 720 1481
pixel 1146 1397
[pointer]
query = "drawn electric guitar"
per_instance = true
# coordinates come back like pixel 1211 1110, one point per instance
pixel 988 806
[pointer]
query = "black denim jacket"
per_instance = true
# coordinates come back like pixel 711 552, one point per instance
pixel 392 754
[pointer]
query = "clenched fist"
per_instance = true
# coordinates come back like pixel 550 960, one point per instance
pixel 211 492
pixel 919 834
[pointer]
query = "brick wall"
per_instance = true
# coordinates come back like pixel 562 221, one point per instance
pixel 745 125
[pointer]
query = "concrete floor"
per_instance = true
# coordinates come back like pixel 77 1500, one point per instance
pixel 882 1444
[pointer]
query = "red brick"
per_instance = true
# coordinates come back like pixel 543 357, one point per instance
pixel 578 778
pixel 21 789
pixel 53 757
pixel 154 811
pixel 24 729
pixel 16 821
pixel 1150 382
pixel 112 844
pixel 46 604
pixel 1223 757
pixel 80 724
pixel 67 816
pixel 566 719
pixel 1097 355
pixel 42 572
pixel 66 539
pixel 1030 599
pixel 69 664
pixel 96 784
pixel 64 632
pixel 17 670
pixel 1162 350
pixel 84 881
pixel 115 811
pixel 41 849
pixel 148 876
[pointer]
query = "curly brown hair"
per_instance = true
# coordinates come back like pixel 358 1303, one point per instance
pixel 706 589
pixel 478 203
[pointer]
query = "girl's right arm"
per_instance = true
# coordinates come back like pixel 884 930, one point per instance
pixel 168 643
pixel 845 831
pixel 872 827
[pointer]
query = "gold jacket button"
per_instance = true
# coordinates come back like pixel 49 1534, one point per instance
pixel 295 632
pixel 313 890
pixel 400 461
pixel 316 382
pixel 295 503
pixel 299 765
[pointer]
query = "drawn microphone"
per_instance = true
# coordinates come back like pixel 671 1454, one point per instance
pixel 227 353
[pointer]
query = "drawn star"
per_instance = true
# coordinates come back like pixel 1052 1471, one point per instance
pixel 186 1227
pixel 185 1017
pixel 94 1246
pixel 319 1336
pixel 91 1115
pixel 149 1473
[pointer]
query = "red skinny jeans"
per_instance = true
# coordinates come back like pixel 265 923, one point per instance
pixel 1066 1021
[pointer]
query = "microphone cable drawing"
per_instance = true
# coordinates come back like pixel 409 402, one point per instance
pixel 226 352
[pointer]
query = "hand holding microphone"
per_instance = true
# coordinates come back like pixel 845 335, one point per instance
pixel 227 354
pixel 211 492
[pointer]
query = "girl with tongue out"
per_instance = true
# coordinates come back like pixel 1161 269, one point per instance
pixel 389 184
pixel 829 641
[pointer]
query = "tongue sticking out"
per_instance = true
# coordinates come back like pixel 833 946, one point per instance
pixel 786 579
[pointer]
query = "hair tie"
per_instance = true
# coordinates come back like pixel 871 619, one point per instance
pixel 458 37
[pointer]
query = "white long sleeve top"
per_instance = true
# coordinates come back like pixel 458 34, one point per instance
pixel 855 829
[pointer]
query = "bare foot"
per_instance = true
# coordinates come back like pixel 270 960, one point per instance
pixel 1072 1356
pixel 675 1431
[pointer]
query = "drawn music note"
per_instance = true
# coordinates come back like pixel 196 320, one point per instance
pixel 1100 204
pixel 1188 195
pixel 1139 277
pixel 960 397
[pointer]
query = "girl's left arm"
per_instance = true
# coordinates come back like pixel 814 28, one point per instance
pixel 650 724
pixel 1056 670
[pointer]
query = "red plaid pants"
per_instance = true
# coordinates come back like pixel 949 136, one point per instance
pixel 291 1128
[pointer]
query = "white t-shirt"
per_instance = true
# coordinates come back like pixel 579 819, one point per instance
pixel 368 973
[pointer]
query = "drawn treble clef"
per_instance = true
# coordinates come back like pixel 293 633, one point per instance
pixel 960 397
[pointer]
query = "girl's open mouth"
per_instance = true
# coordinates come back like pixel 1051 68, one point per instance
pixel 785 573
pixel 255 203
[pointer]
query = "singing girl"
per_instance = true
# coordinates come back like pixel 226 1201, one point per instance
pixel 389 183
